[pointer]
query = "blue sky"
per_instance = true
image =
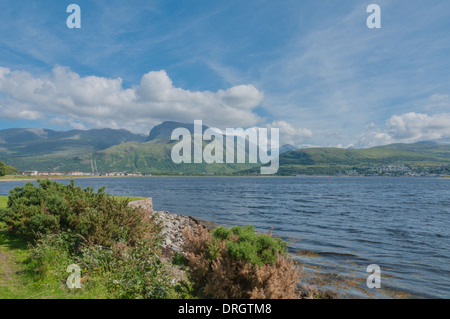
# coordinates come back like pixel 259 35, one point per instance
pixel 311 68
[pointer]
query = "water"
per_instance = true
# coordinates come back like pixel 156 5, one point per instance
pixel 335 227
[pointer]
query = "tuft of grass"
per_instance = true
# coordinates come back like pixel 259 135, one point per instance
pixel 131 199
pixel 3 201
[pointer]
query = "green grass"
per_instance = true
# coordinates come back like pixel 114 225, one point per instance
pixel 121 198
pixel 18 282
pixel 3 201
pixel 16 279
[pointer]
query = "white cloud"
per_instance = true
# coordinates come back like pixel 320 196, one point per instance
pixel 103 102
pixel 65 122
pixel 438 102
pixel 409 128
pixel 290 134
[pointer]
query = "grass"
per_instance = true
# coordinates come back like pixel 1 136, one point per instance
pixel 17 280
pixel 121 198
pixel 3 201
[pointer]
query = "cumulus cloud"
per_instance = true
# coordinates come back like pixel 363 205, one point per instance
pixel 290 134
pixel 409 128
pixel 96 101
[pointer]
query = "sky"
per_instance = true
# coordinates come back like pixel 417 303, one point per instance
pixel 311 68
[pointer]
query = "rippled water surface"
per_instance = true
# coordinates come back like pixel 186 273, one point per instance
pixel 336 227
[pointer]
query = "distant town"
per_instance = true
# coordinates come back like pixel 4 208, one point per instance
pixel 75 173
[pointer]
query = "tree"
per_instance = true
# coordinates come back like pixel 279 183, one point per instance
pixel 6 169
pixel 10 170
pixel 2 169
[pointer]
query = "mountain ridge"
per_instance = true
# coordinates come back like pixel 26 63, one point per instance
pixel 121 150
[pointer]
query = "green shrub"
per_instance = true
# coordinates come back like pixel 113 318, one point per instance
pixel 6 169
pixel 114 244
pixel 49 258
pixel 133 273
pixel 179 260
pixel 243 243
pixel 95 218
pixel 2 168
pixel 239 263
pixel 3 216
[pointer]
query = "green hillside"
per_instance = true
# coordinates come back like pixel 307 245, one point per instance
pixel 154 157
pixel 396 159
pixel 399 159
pixel 113 150
pixel 48 150
pixel 122 151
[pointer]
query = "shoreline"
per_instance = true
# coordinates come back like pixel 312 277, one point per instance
pixel 311 284
pixel 5 179
pixel 323 284
pixel 174 240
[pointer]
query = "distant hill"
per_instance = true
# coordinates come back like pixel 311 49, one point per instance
pixel 120 150
pixel 395 159
pixel 425 148
pixel 287 148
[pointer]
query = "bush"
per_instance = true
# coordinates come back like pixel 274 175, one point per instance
pixel 2 168
pixel 94 218
pixel 7 169
pixel 132 273
pixel 114 244
pixel 239 263
pixel 244 244
pixel 49 258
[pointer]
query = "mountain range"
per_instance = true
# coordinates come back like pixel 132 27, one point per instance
pixel 123 151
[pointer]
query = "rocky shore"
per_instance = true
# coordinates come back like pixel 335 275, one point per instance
pixel 173 226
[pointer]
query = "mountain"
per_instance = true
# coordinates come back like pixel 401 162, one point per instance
pixel 154 157
pixel 120 150
pixel 44 149
pixel 113 150
pixel 32 142
pixel 164 130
